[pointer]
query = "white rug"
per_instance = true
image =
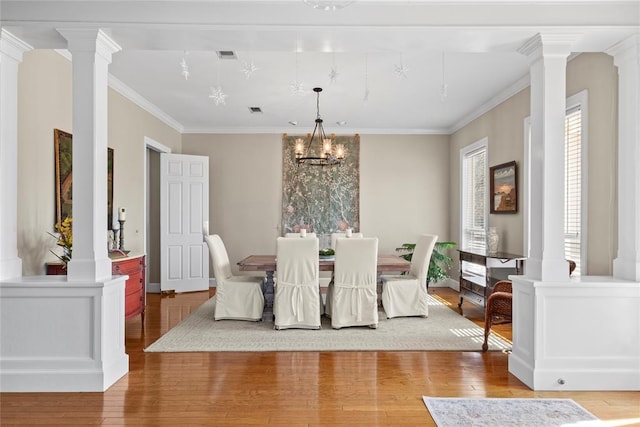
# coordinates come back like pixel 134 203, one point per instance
pixel 443 330
pixel 497 412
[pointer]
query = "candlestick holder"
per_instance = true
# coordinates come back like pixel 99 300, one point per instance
pixel 121 221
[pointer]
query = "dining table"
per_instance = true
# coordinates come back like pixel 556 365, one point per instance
pixel 386 263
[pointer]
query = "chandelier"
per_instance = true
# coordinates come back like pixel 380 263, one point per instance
pixel 324 155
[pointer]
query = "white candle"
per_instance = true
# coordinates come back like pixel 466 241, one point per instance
pixel 115 226
pixel 303 232
pixel 121 214
pixel 349 232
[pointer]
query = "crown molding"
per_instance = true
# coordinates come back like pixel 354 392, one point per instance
pixel 292 130
pixel 492 103
pixel 521 84
pixel 135 97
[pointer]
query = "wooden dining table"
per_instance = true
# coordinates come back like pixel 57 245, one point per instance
pixel 387 263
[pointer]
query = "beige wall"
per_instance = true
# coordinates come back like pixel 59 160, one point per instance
pixel 596 73
pixel 403 188
pixel 504 128
pixel 44 103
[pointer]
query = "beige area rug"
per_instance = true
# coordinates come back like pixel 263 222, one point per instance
pixel 456 412
pixel 443 330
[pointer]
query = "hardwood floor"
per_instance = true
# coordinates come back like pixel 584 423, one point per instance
pixel 288 388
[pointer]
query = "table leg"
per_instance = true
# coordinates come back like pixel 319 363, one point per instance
pixel 267 313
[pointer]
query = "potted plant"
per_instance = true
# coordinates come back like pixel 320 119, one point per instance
pixel 65 240
pixel 439 264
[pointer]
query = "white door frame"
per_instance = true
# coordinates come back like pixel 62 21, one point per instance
pixel 150 144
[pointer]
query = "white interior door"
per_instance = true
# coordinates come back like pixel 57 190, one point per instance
pixel 184 208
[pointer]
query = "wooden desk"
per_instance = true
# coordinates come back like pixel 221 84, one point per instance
pixel 267 263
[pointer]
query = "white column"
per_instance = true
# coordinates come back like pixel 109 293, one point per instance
pixel 91 51
pixel 626 56
pixel 547 54
pixel 11 50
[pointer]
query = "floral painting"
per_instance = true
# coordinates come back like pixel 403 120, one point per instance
pixel 321 199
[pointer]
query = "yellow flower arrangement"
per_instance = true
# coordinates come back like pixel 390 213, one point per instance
pixel 65 239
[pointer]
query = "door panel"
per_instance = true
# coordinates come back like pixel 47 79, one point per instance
pixel 184 204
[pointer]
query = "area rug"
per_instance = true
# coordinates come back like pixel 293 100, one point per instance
pixel 443 330
pixel 457 412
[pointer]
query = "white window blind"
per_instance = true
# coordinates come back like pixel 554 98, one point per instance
pixel 474 211
pixel 572 186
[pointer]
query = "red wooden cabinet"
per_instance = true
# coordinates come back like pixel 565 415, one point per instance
pixel 134 293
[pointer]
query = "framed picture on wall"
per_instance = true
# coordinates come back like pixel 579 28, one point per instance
pixel 63 150
pixel 504 188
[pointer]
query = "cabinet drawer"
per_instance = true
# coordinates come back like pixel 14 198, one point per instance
pixel 133 303
pixel 127 266
pixel 472 258
pixel 133 284
pixel 472 297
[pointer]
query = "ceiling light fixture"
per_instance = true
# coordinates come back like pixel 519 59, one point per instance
pixel 328 5
pixel 185 68
pixel 324 154
pixel 296 87
pixel 333 74
pixel 444 86
pixel 248 68
pixel 366 78
pixel 216 92
pixel 400 69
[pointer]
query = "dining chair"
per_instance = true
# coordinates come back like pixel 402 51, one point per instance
pixel 297 302
pixel 236 297
pixel 335 236
pixel 298 235
pixel 352 298
pixel 406 295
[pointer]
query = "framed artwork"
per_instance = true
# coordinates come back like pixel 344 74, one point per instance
pixel 63 149
pixel 504 188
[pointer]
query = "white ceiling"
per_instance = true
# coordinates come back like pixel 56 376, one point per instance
pixel 364 42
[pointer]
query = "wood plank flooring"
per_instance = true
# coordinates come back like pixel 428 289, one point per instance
pixel 288 388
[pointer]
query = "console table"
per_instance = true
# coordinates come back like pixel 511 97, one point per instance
pixel 135 292
pixel 481 270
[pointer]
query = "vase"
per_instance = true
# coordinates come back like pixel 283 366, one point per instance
pixel 492 240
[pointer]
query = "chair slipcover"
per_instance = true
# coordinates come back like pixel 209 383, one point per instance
pixel 297 302
pixel 336 236
pixel 406 295
pixel 298 235
pixel 352 298
pixel 237 297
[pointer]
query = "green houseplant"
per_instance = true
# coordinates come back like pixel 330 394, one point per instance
pixel 439 264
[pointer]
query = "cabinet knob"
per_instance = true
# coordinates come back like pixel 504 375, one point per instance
pixel 117 268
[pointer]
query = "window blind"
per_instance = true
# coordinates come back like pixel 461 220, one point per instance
pixel 572 186
pixel 475 197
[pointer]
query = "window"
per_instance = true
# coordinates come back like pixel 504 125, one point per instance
pixel 474 183
pixel 573 182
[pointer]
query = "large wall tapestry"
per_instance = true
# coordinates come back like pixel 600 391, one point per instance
pixel 321 199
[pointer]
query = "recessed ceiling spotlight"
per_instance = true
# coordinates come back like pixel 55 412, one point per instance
pixel 293 123
pixel 341 122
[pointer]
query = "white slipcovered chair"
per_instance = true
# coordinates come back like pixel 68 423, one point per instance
pixel 406 295
pixel 237 297
pixel 298 235
pixel 336 236
pixel 352 298
pixel 297 302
